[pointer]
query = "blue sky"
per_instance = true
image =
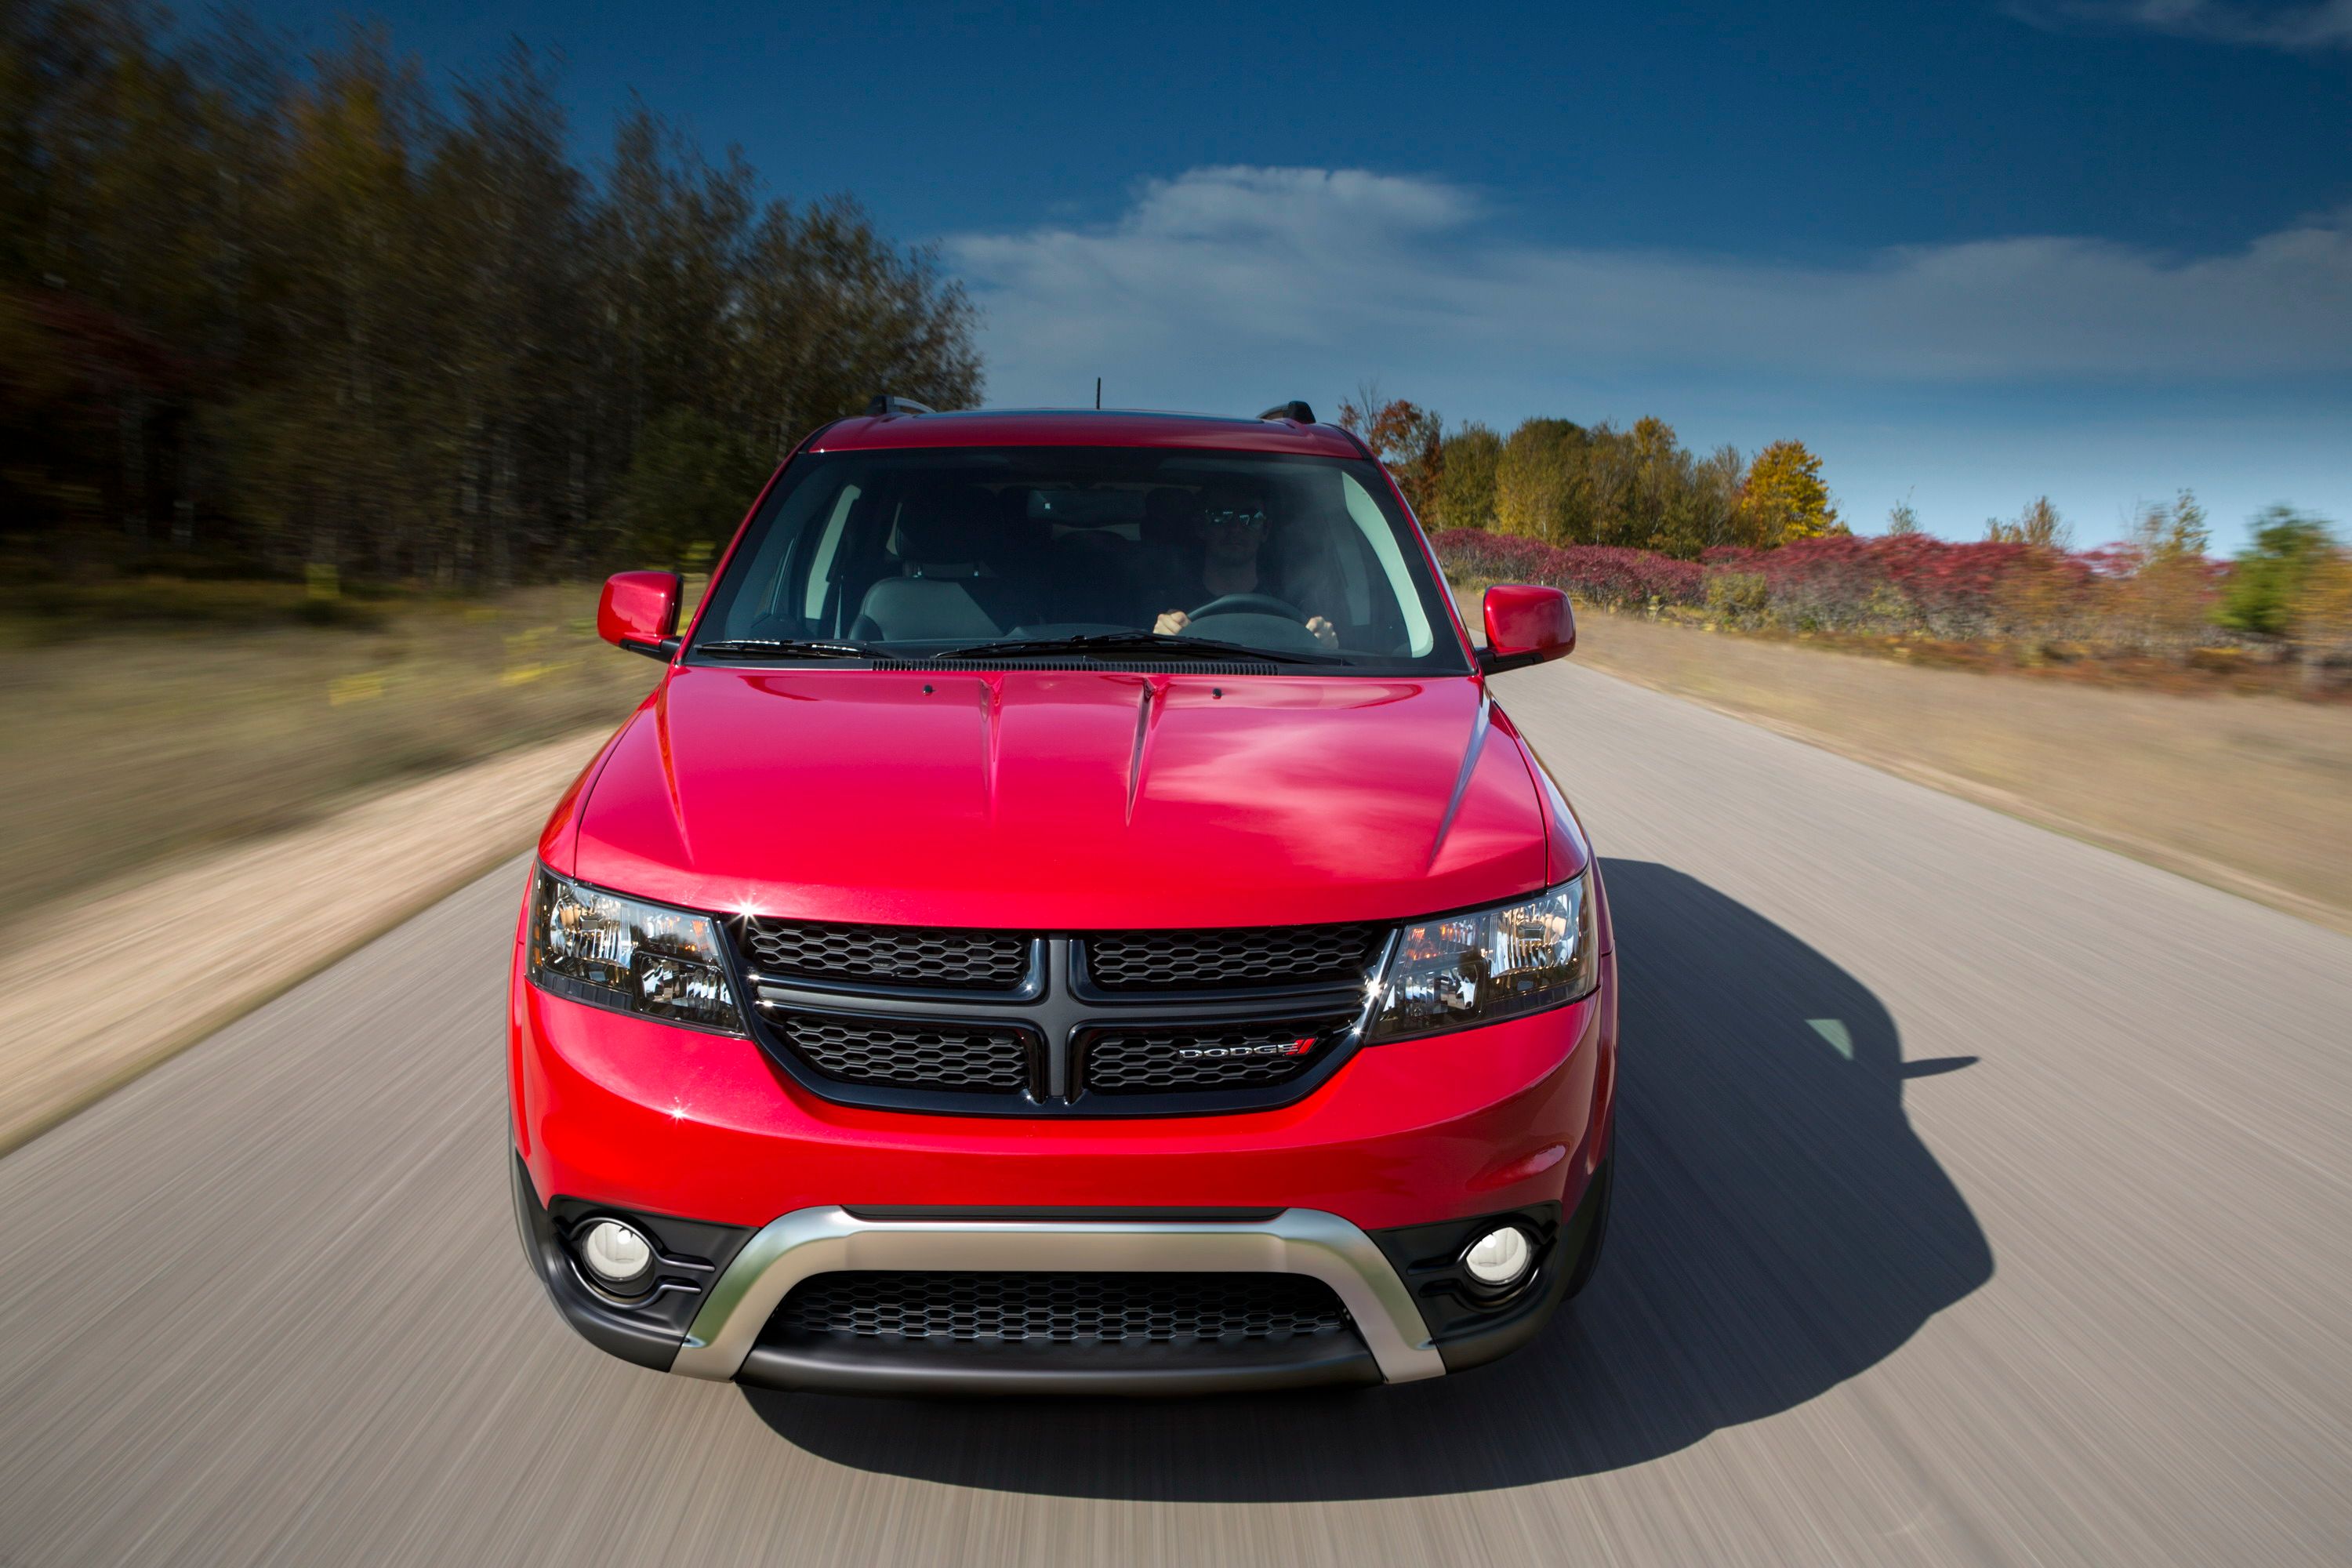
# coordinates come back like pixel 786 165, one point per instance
pixel 1971 250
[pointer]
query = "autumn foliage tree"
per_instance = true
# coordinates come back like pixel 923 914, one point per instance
pixel 1784 499
pixel 1408 438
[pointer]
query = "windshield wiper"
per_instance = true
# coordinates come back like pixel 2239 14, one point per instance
pixel 788 647
pixel 1148 644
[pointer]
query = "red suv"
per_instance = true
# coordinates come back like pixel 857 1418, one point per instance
pixel 1071 917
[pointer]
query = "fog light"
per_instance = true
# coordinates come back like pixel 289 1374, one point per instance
pixel 1499 1258
pixel 617 1255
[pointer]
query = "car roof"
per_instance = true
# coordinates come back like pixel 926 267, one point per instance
pixel 1085 427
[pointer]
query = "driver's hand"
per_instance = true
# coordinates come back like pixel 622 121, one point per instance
pixel 1325 632
pixel 1171 622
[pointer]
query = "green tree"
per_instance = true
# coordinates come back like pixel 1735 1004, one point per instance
pixel 1901 519
pixel 1465 477
pixel 688 482
pixel 1541 487
pixel 1709 514
pixel 2271 579
pixel 332 315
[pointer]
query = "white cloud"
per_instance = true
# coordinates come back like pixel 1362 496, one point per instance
pixel 2305 25
pixel 1286 277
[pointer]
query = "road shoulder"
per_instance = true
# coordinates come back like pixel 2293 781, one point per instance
pixel 2246 794
pixel 210 938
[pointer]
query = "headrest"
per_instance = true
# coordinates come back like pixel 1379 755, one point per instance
pixel 945 522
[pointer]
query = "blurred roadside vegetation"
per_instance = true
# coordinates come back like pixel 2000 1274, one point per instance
pixel 2153 610
pixel 328 391
pixel 302 317
pixel 1631 520
pixel 233 716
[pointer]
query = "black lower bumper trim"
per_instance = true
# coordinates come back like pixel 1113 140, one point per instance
pixel 847 1363
pixel 611 1329
pixel 689 1255
pixel 1478 1343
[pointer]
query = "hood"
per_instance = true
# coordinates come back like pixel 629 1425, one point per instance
pixel 1058 800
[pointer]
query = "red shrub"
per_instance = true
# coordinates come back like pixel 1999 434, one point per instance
pixel 1595 573
pixel 1898 584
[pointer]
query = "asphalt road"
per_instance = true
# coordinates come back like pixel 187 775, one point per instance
pixel 1984 1200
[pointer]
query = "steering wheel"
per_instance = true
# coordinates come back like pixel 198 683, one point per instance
pixel 1250 604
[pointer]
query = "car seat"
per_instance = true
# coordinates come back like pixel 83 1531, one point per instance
pixel 950 539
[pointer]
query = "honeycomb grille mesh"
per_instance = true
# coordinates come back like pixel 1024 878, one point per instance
pixel 1063 1308
pixel 1158 1058
pixel 908 1055
pixel 888 955
pixel 1236 958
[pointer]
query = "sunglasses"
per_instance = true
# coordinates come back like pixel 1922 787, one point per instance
pixel 1251 520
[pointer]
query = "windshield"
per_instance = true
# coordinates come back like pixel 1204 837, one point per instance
pixel 1104 553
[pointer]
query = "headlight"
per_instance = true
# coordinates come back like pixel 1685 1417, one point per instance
pixel 634 957
pixel 1467 970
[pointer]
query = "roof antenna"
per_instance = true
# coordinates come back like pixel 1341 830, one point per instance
pixel 1099 395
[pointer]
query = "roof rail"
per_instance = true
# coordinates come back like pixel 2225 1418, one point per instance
pixel 1293 410
pixel 884 406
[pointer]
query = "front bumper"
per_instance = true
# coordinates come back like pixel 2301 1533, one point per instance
pixel 722 1327
pixel 1362 1185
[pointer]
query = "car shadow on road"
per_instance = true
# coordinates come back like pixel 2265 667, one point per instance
pixel 1779 1229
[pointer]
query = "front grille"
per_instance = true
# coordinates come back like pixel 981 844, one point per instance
pixel 908 1055
pixel 1236 958
pixel 888 955
pixel 1161 1057
pixel 1063 1308
pixel 1012 1023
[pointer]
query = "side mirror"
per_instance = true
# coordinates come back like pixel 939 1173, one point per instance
pixel 1526 625
pixel 639 612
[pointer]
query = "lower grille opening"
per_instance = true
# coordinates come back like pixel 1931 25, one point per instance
pixel 1065 1308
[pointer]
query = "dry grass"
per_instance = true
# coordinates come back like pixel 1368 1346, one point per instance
pixel 118 752
pixel 2249 792
pixel 237 926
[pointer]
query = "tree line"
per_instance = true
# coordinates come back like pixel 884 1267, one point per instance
pixel 263 311
pixel 1569 484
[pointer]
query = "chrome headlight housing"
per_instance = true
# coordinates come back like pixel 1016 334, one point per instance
pixel 1459 971
pixel 589 945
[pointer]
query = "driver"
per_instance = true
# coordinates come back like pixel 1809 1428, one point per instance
pixel 1232 529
